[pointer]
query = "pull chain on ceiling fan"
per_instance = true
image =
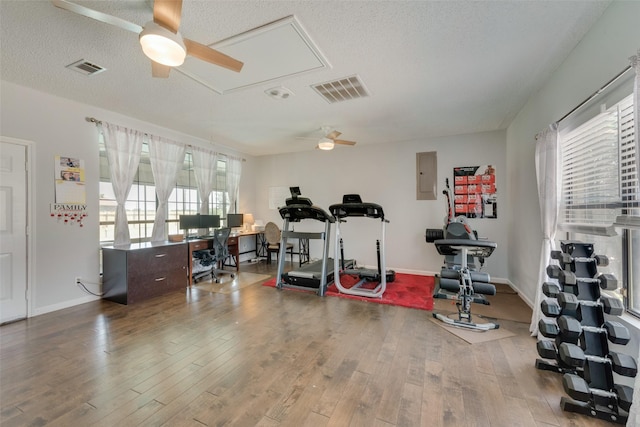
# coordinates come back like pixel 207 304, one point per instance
pixel 160 40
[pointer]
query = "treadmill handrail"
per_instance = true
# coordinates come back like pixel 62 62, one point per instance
pixel 369 210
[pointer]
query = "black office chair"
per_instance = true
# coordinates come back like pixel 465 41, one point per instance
pixel 220 252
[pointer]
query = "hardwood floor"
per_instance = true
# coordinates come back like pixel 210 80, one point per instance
pixel 263 357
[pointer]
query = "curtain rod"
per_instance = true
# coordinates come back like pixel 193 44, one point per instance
pixel 596 93
pixel 593 95
pixel 99 122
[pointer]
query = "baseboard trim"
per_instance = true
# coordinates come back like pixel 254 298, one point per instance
pixel 65 304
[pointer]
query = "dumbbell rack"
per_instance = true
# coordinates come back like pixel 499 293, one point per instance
pixel 576 334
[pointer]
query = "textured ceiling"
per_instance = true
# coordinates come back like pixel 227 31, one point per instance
pixel 432 68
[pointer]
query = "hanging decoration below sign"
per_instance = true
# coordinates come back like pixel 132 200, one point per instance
pixel 69 213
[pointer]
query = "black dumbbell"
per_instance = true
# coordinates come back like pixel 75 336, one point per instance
pixel 548 328
pixel 550 308
pixel 574 356
pixel 610 305
pixel 617 333
pixel 623 364
pixel 570 330
pixel 564 304
pixel 602 260
pixel 546 349
pixel 553 271
pixel 550 289
pixel 569 303
pixel 608 282
pixel 579 389
pixel 605 281
pixel 561 257
pixel 566 277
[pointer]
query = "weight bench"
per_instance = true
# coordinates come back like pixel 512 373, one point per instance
pixel 462 284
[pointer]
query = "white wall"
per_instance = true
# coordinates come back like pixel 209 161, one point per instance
pixel 386 174
pixel 57 126
pixel 602 54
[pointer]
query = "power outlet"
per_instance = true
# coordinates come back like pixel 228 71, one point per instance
pixel 78 280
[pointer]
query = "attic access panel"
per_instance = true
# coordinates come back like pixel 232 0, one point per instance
pixel 271 52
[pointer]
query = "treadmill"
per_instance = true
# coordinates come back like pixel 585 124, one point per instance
pixel 352 206
pixel 317 275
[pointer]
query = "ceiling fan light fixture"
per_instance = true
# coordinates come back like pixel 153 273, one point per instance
pixel 325 144
pixel 162 46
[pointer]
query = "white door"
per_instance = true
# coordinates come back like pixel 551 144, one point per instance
pixel 13 232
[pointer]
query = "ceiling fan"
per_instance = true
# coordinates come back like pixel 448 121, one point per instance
pixel 330 138
pixel 160 39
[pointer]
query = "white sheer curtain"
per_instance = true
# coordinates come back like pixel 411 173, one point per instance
pixel 234 170
pixel 166 159
pixel 123 153
pixel 205 168
pixel 634 412
pixel 548 177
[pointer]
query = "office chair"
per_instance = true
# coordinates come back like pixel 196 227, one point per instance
pixel 272 235
pixel 220 252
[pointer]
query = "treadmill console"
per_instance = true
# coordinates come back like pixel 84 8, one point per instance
pixel 298 212
pixel 352 206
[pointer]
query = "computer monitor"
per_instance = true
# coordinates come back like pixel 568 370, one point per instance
pixel 209 221
pixel 198 222
pixel 188 222
pixel 235 220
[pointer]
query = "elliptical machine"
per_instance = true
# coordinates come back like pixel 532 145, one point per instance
pixel 459 280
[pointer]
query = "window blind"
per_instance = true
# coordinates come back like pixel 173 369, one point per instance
pixel 599 177
pixel 628 172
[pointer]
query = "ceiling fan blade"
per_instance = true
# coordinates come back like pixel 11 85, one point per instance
pixel 343 142
pixel 167 13
pixel 333 135
pixel 98 16
pixel 159 70
pixel 213 56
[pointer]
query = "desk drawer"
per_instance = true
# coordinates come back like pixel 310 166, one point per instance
pixel 232 240
pixel 199 245
pixel 153 285
pixel 151 260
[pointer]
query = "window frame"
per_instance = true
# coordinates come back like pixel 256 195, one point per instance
pixel 141 229
pixel 606 233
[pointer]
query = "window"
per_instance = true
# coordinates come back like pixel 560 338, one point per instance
pixel 600 185
pixel 141 203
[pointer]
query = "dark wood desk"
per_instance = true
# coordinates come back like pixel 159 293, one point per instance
pixel 139 271
pixel 233 243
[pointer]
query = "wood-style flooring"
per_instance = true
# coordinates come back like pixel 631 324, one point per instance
pixel 264 357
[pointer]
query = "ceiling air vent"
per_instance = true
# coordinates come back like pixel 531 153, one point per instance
pixel 85 67
pixel 342 89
